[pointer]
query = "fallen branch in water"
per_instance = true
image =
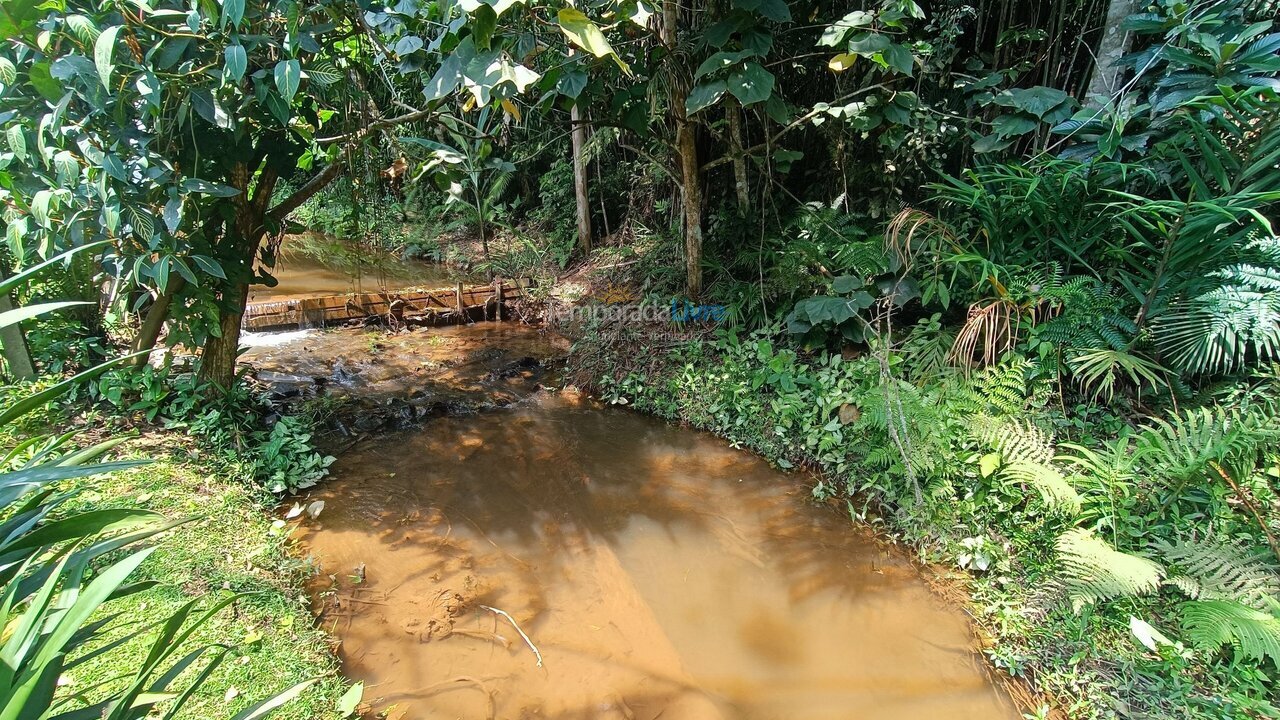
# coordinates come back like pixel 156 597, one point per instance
pixel 512 620
pixel 465 681
pixel 480 635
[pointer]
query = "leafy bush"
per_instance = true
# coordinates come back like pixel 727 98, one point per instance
pixel 241 427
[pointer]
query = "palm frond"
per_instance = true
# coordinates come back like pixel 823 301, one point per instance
pixel 1100 371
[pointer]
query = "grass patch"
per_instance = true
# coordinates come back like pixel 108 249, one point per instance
pixel 229 545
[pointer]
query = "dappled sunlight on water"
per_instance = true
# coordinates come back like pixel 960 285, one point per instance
pixel 659 572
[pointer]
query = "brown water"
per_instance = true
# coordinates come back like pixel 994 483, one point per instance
pixel 300 276
pixel 658 571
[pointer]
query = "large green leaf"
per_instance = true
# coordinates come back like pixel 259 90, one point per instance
pixel 704 95
pixel 750 83
pixel 103 50
pixel 836 33
pixel 288 75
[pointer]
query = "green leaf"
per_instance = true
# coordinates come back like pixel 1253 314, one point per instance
pixel 161 272
pixel 1036 100
pixel 266 707
pixel 288 75
pixel 751 83
pixel 900 59
pixel 446 79
pixel 8 73
pixel 988 464
pixel 846 284
pixel 112 165
pixel 232 12
pixel 571 83
pixel 835 34
pixel 17 141
pixel 103 50
pixel 720 61
pixel 44 82
pixel 868 44
pixel 1007 126
pixel 83 28
pixel 17 315
pixel 209 266
pixel 324 74
pixel 585 34
pixel 234 63
pixel 172 214
pixel 704 95
pixel 775 10
pixel 204 187
pixel 484 21
pixel 410 44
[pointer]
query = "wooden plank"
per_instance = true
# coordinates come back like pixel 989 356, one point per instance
pixel 459 301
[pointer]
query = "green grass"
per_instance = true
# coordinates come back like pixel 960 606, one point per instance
pixel 230 544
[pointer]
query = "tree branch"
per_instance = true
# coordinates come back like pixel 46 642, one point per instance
pixel 304 193
pixel 337 167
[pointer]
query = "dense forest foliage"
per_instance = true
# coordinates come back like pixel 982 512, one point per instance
pixel 1001 274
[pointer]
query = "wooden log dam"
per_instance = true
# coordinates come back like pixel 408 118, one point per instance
pixel 442 306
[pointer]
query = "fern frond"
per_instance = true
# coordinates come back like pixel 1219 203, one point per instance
pixel 1016 442
pixel 1182 447
pixel 1213 624
pixel 1051 484
pixel 1217 331
pixel 1224 571
pixel 1092 570
pixel 1005 385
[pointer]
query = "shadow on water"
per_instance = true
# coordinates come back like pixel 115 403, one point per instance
pixel 659 572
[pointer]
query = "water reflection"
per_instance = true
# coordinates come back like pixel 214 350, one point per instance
pixel 659 572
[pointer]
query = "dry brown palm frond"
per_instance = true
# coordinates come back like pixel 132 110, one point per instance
pixel 989 332
pixel 900 237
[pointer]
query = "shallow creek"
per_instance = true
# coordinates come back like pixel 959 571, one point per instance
pixel 300 276
pixel 658 571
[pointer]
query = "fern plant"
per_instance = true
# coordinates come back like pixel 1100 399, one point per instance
pixel 1223 177
pixel 1223 571
pixel 1026 458
pixel 1185 446
pixel 1235 317
pixel 1091 570
pixel 1214 624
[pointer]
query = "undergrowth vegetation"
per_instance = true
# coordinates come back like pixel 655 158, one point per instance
pixel 1003 274
pixel 1113 557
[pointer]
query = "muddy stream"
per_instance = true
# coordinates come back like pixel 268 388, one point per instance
pixel 658 572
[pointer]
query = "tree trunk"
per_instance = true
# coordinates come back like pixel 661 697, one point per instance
pixel 733 110
pixel 13 342
pixel 242 237
pixel 687 151
pixel 218 362
pixel 579 139
pixel 149 333
pixel 1107 72
pixel 690 175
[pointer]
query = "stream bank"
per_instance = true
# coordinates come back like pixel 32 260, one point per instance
pixel 657 571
